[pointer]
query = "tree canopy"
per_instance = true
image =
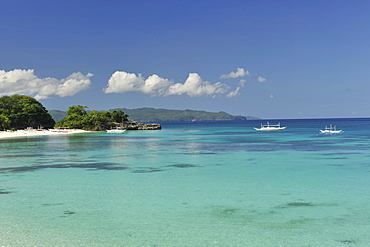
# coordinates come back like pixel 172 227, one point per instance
pixel 20 111
pixel 78 118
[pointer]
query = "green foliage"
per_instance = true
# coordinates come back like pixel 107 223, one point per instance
pixel 4 122
pixel 78 118
pixel 20 111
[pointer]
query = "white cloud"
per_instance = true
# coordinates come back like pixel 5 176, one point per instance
pixel 242 82
pixel 73 84
pixel 121 82
pixel 194 86
pixel 234 93
pixel 261 79
pixel 156 85
pixel 21 81
pixel 240 72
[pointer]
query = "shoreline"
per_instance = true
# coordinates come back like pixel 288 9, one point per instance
pixel 26 133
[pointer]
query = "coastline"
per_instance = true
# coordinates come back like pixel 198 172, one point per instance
pixel 26 133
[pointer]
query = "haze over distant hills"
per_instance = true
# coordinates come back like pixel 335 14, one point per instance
pixel 158 115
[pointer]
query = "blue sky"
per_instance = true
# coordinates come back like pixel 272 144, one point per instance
pixel 269 59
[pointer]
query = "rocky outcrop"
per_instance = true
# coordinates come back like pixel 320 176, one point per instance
pixel 132 125
pixel 142 126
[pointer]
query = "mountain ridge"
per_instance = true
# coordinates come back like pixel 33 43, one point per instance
pixel 147 114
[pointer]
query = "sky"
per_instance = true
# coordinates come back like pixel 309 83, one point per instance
pixel 264 58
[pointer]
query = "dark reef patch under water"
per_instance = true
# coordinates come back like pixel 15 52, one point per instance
pixel 4 192
pixel 6 156
pixel 52 204
pixel 183 165
pixel 300 204
pixel 67 212
pixel 94 166
pixel 147 170
pixel 90 165
pixel 347 241
pixel 296 205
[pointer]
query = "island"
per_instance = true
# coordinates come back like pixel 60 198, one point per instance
pixel 77 117
pixel 149 115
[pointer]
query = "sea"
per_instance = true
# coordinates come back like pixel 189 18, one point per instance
pixel 216 183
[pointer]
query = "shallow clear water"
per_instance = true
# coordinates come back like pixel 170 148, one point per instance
pixel 189 184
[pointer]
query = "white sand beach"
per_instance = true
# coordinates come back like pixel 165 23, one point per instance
pixel 26 133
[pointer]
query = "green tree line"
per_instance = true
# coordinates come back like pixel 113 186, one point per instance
pixel 78 118
pixel 20 111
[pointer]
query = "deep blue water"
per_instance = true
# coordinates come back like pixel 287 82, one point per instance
pixel 217 183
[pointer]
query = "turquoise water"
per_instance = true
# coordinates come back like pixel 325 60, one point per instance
pixel 189 184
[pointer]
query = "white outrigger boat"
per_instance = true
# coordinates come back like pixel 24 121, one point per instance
pixel 330 130
pixel 116 131
pixel 269 127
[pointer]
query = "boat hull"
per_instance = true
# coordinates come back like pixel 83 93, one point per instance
pixel 270 128
pixel 330 131
pixel 115 131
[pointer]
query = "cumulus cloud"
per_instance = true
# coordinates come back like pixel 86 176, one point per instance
pixel 121 82
pixel 194 86
pixel 156 85
pixel 240 72
pixel 261 79
pixel 21 81
pixel 233 93
pixel 242 82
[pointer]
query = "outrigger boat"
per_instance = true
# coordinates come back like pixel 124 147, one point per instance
pixel 330 130
pixel 269 127
pixel 116 131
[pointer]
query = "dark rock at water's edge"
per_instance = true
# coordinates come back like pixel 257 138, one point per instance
pixel 143 126
pixel 132 125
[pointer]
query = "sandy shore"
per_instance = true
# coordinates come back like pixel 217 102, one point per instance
pixel 25 133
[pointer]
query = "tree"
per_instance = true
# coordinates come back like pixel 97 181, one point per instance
pixel 99 120
pixel 77 110
pixel 118 116
pixel 4 122
pixel 24 111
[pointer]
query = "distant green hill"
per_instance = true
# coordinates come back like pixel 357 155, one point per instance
pixel 158 115
pixel 57 115
pixel 155 115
